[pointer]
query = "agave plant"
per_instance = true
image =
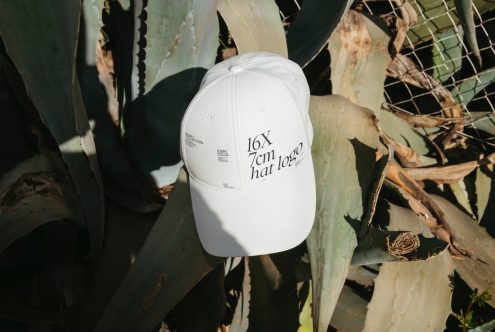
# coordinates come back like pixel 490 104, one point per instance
pixel 96 224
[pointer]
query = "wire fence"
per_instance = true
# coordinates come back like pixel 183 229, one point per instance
pixel 419 51
pixel 438 26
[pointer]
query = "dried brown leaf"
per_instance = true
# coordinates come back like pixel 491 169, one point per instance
pixel 478 268
pixel 425 121
pixel 408 17
pixel 106 74
pixel 407 156
pixel 425 206
pixel 448 174
pixel 405 290
pixel 406 70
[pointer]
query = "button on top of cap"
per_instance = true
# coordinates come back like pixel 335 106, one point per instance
pixel 235 68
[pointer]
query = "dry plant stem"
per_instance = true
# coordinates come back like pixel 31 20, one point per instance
pixel 406 70
pixel 449 174
pixel 407 156
pixel 408 18
pixel 399 176
pixel 424 121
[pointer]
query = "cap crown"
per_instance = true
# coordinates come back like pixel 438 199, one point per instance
pixel 249 127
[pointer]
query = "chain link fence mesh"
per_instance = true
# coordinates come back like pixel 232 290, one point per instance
pixel 437 32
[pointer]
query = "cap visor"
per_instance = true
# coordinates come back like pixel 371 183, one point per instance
pixel 256 222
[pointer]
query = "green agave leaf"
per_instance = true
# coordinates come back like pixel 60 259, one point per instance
pixel 447 53
pixel 312 27
pixel 342 172
pixel 361 275
pixel 36 164
pixel 13 145
pixel 255 25
pixel 33 200
pixel 469 88
pixel 350 311
pixel 121 181
pixel 240 320
pixel 484 123
pixel 464 10
pixel 478 270
pixel 436 15
pixel 461 195
pixel 484 184
pixel 487 327
pixel 174 43
pixel 273 298
pixel 126 233
pixel 359 52
pixel 41 39
pixel 379 246
pixel 207 303
pixel 29 214
pixel 168 265
pixel 401 132
pixel 403 290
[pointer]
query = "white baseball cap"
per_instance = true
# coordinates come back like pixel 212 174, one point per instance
pixel 246 143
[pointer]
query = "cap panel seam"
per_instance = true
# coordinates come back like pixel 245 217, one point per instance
pixel 235 133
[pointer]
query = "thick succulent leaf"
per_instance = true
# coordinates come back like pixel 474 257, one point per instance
pixel 484 123
pixel 484 186
pixel 28 214
pixel 36 164
pixel 12 143
pixel 206 301
pixel 126 233
pixel 380 246
pixel 240 320
pixel 273 300
pixel 342 172
pixel 469 88
pixel 461 195
pixel 377 245
pixel 487 327
pixel 33 200
pixel 361 276
pixel 312 27
pixel 255 25
pixel 400 131
pixel 174 43
pixel 438 15
pixel 41 39
pixel 478 270
pixel 359 54
pixel 405 290
pixel 350 312
pixel 121 181
pixel 447 53
pixel 464 9
pixel 168 265
pixel 408 144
